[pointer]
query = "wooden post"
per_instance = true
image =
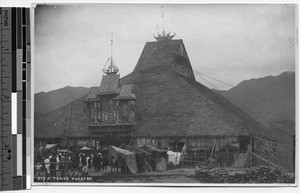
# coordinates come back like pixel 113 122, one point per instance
pixel 277 166
pixel 227 156
pixel 194 159
pixel 176 152
pixel 251 150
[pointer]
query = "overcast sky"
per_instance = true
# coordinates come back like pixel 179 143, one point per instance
pixel 231 43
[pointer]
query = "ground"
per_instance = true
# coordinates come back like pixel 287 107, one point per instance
pixel 180 175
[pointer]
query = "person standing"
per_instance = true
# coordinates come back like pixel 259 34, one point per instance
pixel 92 162
pixel 105 162
pixel 63 166
pixel 52 166
pixel 80 162
pixel 95 162
pixel 83 160
pixel 58 161
pixel 88 162
pixel 114 164
pixel 101 163
pixel 85 170
pixel 47 166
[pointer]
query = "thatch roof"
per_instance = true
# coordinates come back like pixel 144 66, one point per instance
pixel 92 93
pixel 162 56
pixel 58 124
pixel 173 105
pixel 110 83
pixel 126 92
pixel 168 104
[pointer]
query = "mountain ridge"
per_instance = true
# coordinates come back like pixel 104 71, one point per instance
pixel 266 99
pixel 46 102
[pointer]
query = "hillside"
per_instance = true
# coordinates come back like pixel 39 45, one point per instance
pixel 46 102
pixel 266 99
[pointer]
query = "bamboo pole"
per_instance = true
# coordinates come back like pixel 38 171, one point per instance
pixel 266 160
pixel 213 148
pixel 251 150
pixel 227 156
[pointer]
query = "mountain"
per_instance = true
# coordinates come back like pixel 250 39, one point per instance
pixel 266 99
pixel 45 102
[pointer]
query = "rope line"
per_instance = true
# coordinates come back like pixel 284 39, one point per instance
pixel 243 90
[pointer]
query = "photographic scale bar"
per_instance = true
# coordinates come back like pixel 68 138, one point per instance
pixel 15 99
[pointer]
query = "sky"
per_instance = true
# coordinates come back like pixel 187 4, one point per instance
pixel 230 43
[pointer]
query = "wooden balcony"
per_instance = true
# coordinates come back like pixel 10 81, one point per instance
pixel 114 131
pixel 111 123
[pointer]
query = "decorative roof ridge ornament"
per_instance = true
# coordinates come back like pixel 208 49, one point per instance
pixel 112 68
pixel 163 36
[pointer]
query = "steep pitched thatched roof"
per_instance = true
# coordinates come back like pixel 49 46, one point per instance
pixel 109 83
pixel 169 104
pixel 172 105
pixel 58 124
pixel 126 92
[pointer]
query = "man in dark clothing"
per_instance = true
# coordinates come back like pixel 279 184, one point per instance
pixel 99 162
pixel 52 166
pixel 114 164
pixel 105 162
pixel 102 162
pixel 83 160
pixel 95 162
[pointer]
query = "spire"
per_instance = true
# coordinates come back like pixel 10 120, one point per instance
pixel 163 36
pixel 162 16
pixel 112 68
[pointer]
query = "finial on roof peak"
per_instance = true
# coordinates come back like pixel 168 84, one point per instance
pixel 112 68
pixel 163 36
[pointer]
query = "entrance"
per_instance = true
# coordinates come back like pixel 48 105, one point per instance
pixel 244 142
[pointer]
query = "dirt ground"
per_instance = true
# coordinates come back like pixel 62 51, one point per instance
pixel 180 175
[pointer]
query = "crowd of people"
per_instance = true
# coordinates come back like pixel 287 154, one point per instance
pixel 53 163
pixel 86 163
pixel 80 164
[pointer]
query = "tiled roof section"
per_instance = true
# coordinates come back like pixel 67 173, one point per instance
pixel 126 92
pixel 109 84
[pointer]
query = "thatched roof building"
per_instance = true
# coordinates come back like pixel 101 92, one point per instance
pixel 169 101
pixel 170 104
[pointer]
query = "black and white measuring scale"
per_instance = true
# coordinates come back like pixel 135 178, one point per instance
pixel 15 123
